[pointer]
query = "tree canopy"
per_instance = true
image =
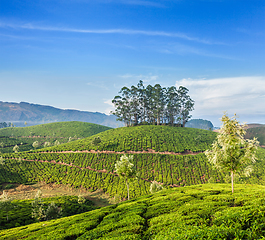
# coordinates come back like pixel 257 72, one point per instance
pixel 125 169
pixel 231 152
pixel 153 105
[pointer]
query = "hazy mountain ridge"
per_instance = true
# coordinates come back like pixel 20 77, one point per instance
pixel 33 114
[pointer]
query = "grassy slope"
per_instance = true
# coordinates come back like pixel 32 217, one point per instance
pixel 258 132
pixel 58 129
pixel 158 138
pixel 207 211
pixel 97 172
pixel 20 214
pixel 169 169
pixel 50 132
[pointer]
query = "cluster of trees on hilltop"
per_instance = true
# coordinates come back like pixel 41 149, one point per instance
pixel 153 105
pixel 5 125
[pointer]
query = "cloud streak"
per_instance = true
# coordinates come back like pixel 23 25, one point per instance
pixel 109 31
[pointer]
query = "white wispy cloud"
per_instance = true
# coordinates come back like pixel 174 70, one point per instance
pixel 110 106
pixel 30 26
pixel 241 95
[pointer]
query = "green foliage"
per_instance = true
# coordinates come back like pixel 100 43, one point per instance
pixel 125 169
pixel 57 129
pixel 6 204
pixel 2 161
pixel 35 144
pixel 16 148
pixel 207 211
pixel 81 200
pixel 38 211
pixel 231 152
pixel 257 132
pixel 96 141
pixel 155 187
pixel 45 134
pixel 153 105
pixel 53 211
pixel 139 138
pixel 21 212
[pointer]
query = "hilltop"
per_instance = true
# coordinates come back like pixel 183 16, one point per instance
pixel 35 114
pixel 144 138
pixel 61 132
pixel 58 129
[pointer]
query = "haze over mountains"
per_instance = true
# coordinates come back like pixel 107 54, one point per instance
pixel 33 114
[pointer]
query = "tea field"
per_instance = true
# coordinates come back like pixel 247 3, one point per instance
pixel 207 211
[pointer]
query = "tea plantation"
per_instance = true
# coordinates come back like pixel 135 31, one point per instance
pixel 170 155
pixel 94 171
pixel 61 131
pixel 206 211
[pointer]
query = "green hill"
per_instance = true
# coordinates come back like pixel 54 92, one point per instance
pixel 142 138
pixel 175 159
pixel 207 211
pixel 258 132
pixel 20 213
pixel 50 132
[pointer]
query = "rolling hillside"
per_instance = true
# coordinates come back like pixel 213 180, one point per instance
pixel 62 132
pixel 207 211
pixel 144 138
pixel 171 156
pixel 258 132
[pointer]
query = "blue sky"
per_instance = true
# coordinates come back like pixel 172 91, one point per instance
pixel 78 54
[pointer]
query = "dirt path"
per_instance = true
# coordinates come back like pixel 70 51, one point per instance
pixel 66 164
pixel 131 152
pixel 21 191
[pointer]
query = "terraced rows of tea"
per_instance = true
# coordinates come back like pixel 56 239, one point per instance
pixel 207 211
pixel 157 138
pixel 61 132
pixel 96 171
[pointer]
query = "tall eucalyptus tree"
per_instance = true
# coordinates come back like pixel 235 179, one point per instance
pixel 153 105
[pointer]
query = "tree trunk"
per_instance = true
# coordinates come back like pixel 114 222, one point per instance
pixel 158 120
pixel 232 181
pixel 127 188
pixel 184 122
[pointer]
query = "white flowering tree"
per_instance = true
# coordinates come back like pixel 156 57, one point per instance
pixel 37 207
pixel 231 152
pixel 125 169
pixel 6 203
pixel 35 144
pixel 47 144
pixel 155 187
pixel 16 148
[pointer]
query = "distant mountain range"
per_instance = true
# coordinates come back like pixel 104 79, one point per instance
pixel 33 114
